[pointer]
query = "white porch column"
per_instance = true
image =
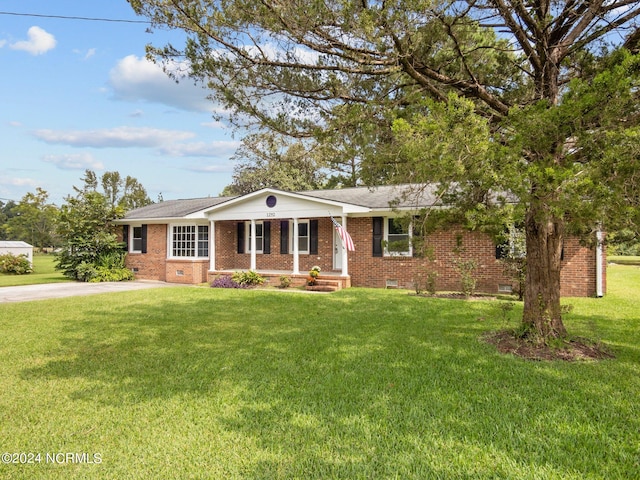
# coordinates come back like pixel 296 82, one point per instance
pixel 296 252
pixel 253 245
pixel 212 246
pixel 345 253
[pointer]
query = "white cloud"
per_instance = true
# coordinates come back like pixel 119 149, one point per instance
pixel 137 79
pixel 214 124
pixel 18 182
pixel 218 149
pixel 2 43
pixel 211 169
pixel 85 55
pixel 39 42
pixel 118 137
pixel 81 161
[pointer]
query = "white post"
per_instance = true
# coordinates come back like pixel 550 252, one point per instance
pixel 345 252
pixel 212 246
pixel 296 252
pixel 599 256
pixel 253 245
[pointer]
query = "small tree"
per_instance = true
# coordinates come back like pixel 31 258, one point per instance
pixel 87 233
pixel 466 268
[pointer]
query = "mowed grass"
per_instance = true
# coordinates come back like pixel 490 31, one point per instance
pixel 192 382
pixel 44 271
pixel 624 260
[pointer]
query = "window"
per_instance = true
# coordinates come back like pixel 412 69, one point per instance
pixel 135 236
pixel 203 240
pixel 303 236
pixel 136 240
pixel 190 241
pixel 307 236
pixel 511 244
pixel 259 237
pixel 397 237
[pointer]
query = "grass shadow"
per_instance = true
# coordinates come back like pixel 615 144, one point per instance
pixel 357 384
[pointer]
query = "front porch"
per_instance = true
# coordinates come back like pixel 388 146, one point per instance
pixel 273 278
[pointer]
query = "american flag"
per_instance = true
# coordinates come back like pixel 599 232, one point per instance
pixel 347 241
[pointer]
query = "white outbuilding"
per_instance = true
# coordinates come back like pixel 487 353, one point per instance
pixel 17 248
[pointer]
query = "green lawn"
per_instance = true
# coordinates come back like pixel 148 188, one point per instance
pixel 624 260
pixel 43 272
pixel 207 383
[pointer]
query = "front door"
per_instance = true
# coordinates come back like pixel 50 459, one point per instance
pixel 337 251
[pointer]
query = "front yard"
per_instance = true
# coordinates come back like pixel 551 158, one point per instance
pixel 211 383
pixel 44 271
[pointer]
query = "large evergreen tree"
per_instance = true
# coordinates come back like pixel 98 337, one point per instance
pixel 559 146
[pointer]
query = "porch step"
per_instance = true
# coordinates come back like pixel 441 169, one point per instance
pixel 325 286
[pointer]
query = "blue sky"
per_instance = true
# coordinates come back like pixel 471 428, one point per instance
pixel 79 95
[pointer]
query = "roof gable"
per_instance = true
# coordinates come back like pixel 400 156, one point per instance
pixel 306 204
pixel 272 203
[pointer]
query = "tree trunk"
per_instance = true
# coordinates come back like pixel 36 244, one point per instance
pixel 542 319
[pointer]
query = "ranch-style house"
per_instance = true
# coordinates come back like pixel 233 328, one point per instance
pixel 278 233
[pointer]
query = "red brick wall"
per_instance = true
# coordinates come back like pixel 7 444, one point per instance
pixel 578 267
pixel 154 265
pixel 227 257
pixel 187 271
pixel 151 265
pixel 578 275
pixel 370 271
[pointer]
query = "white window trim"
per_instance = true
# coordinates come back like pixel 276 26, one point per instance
pixel 247 236
pixel 387 253
pixel 308 237
pixel 170 254
pixel 131 238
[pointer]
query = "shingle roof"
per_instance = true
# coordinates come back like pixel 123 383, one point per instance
pixel 175 208
pixel 400 196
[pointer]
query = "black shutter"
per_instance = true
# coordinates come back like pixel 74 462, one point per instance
pixel 240 237
pixel 125 237
pixel 144 239
pixel 284 237
pixel 313 237
pixel 378 233
pixel 266 237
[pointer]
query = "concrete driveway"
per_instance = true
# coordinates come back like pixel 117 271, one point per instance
pixel 71 289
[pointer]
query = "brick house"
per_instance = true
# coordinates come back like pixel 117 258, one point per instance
pixel 280 233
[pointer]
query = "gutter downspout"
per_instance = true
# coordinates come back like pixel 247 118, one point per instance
pixel 599 266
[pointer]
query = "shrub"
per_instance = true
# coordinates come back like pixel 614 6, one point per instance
pixel 249 278
pixel 18 265
pixel 424 281
pixel 109 267
pixel 285 282
pixel 467 281
pixel 226 282
pixel 103 274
